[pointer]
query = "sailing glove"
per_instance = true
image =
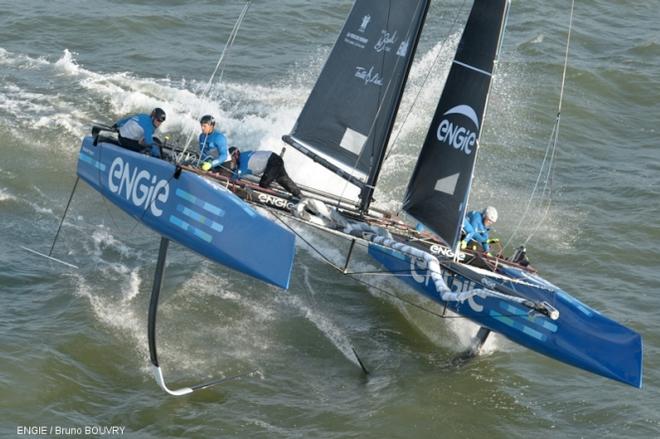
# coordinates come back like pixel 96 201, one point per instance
pixel 206 166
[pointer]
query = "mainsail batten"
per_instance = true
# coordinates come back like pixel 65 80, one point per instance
pixel 439 187
pixel 351 110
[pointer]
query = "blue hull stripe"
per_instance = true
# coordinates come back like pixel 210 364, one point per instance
pixel 87 159
pixel 537 320
pixel 517 325
pixel 199 202
pixel 199 218
pixel 188 228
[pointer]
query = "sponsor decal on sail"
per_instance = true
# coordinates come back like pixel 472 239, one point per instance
pixel 403 48
pixel 365 22
pixel 385 41
pixel 356 40
pixel 368 76
pixel 452 129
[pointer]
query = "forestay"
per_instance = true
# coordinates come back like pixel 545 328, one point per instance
pixel 439 187
pixel 348 117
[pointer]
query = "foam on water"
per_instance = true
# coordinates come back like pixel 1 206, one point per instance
pixel 205 283
pixel 67 64
pixel 103 238
pixel 5 195
pixel 21 61
pixel 332 332
pixel 117 313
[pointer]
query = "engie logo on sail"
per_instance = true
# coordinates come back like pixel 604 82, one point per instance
pixel 454 133
pixel 139 187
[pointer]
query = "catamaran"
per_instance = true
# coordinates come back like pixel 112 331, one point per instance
pixel 345 126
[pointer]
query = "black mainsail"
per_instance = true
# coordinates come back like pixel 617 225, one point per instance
pixel 438 190
pixel 347 120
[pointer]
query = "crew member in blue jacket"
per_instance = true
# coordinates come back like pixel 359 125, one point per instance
pixel 136 132
pixel 213 154
pixel 476 227
pixel 266 164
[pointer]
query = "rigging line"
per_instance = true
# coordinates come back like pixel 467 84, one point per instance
pixel 332 264
pixel 380 289
pixel 549 179
pixel 325 258
pixel 426 78
pixel 549 185
pixel 136 221
pixel 568 41
pixel 48 256
pixel 207 88
pixel 421 308
pixel 553 139
pixel 329 262
pixel 228 46
pixel 105 201
pixel 530 200
pixel 395 273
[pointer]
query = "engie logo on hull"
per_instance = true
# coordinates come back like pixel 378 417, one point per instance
pixel 453 132
pixel 138 187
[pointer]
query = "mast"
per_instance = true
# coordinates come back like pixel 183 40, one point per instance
pixel 366 195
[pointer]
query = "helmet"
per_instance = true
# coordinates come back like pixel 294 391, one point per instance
pixel 207 118
pixel 490 213
pixel 158 114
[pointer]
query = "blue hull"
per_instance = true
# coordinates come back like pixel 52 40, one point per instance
pixel 205 217
pixel 581 337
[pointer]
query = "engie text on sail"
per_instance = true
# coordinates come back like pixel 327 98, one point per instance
pixel 453 133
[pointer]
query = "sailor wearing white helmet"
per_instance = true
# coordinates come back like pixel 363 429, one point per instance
pixel 476 227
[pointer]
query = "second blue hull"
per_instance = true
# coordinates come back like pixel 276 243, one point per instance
pixel 581 336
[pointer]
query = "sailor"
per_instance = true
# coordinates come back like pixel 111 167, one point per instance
pixel 213 154
pixel 266 164
pixel 136 132
pixel 476 227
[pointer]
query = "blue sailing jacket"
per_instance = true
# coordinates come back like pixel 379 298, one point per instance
pixel 475 230
pixel 252 162
pixel 139 127
pixel 213 147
